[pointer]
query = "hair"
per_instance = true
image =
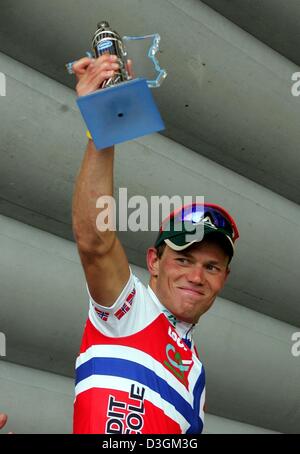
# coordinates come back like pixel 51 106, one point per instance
pixel 219 239
pixel 160 250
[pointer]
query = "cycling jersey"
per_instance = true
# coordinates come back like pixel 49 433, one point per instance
pixel 138 371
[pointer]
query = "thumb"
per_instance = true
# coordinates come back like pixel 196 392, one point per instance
pixel 80 66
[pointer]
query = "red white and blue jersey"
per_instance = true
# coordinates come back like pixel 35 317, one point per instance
pixel 138 371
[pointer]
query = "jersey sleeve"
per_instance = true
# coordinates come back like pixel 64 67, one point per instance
pixel 119 319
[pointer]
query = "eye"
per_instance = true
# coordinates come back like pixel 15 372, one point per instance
pixel 213 268
pixel 183 260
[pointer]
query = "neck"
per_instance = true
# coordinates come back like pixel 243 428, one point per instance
pixel 153 284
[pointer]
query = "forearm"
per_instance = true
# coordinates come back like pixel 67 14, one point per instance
pixel 95 179
pixel 96 174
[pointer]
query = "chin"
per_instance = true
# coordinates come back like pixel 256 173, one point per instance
pixel 193 317
pixel 186 316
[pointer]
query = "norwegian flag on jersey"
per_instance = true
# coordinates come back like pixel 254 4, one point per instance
pixel 102 314
pixel 126 306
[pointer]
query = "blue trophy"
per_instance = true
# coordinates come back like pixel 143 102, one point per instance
pixel 124 108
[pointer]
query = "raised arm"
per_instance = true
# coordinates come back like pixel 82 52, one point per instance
pixel 103 258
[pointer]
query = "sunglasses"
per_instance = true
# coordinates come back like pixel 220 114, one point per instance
pixel 209 214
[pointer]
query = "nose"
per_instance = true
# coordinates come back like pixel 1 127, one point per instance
pixel 196 275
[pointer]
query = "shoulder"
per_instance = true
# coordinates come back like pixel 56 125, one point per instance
pixel 132 311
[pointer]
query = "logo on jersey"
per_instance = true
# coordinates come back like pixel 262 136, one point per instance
pixel 102 314
pixel 126 306
pixel 172 319
pixel 126 417
pixel 174 361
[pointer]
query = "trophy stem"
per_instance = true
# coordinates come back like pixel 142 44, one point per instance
pixel 108 41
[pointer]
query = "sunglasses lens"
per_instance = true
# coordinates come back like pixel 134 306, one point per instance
pixel 197 213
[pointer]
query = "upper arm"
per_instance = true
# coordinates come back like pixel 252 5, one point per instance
pixel 106 273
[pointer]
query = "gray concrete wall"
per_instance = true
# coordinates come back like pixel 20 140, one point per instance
pixel 251 372
pixel 40 152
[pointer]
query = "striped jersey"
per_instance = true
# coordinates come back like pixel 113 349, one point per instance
pixel 138 371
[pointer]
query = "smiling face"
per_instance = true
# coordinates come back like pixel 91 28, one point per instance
pixel 187 282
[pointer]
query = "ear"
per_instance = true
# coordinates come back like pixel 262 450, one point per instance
pixel 152 262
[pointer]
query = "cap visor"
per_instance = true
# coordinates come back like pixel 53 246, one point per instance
pixel 181 247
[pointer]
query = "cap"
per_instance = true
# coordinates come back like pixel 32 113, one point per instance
pixel 191 223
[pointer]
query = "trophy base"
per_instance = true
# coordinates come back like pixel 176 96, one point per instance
pixel 120 113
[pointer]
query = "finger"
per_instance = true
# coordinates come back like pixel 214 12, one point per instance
pixel 104 66
pixel 105 58
pixel 102 70
pixel 3 419
pixel 94 75
pixel 99 67
pixel 100 77
pixel 92 81
pixel 80 66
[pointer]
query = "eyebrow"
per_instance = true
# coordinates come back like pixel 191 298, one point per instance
pixel 190 255
pixel 185 253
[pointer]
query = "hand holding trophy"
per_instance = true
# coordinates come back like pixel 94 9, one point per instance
pixel 119 108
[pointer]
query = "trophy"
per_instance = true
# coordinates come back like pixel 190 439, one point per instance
pixel 123 108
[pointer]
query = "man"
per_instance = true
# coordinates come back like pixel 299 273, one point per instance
pixel 138 370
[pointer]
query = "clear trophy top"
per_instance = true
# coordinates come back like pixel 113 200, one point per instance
pixel 142 50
